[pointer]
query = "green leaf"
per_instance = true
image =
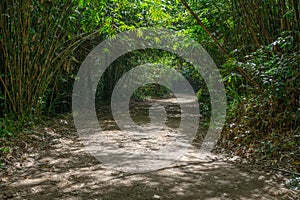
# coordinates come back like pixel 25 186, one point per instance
pixel 81 3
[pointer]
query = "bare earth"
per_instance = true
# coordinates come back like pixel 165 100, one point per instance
pixel 53 164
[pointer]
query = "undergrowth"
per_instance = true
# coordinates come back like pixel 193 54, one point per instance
pixel 263 120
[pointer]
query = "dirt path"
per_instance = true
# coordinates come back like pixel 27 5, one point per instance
pixel 52 164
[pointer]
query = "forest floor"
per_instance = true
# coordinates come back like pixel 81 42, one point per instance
pixel 51 163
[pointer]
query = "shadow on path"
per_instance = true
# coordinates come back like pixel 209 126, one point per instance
pixel 60 169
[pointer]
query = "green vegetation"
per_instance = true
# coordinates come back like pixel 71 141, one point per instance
pixel 254 43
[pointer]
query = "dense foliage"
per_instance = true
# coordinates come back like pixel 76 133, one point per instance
pixel 264 116
pixel 36 51
pixel 255 44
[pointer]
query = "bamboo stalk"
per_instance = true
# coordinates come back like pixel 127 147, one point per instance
pixel 203 26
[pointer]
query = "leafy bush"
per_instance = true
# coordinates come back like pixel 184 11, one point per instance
pixel 264 119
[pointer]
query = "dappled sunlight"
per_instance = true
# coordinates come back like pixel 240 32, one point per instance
pixel 148 99
pixel 65 170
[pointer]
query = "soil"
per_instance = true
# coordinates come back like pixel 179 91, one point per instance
pixel 51 163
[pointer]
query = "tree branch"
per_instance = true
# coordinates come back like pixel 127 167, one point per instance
pixel 202 25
